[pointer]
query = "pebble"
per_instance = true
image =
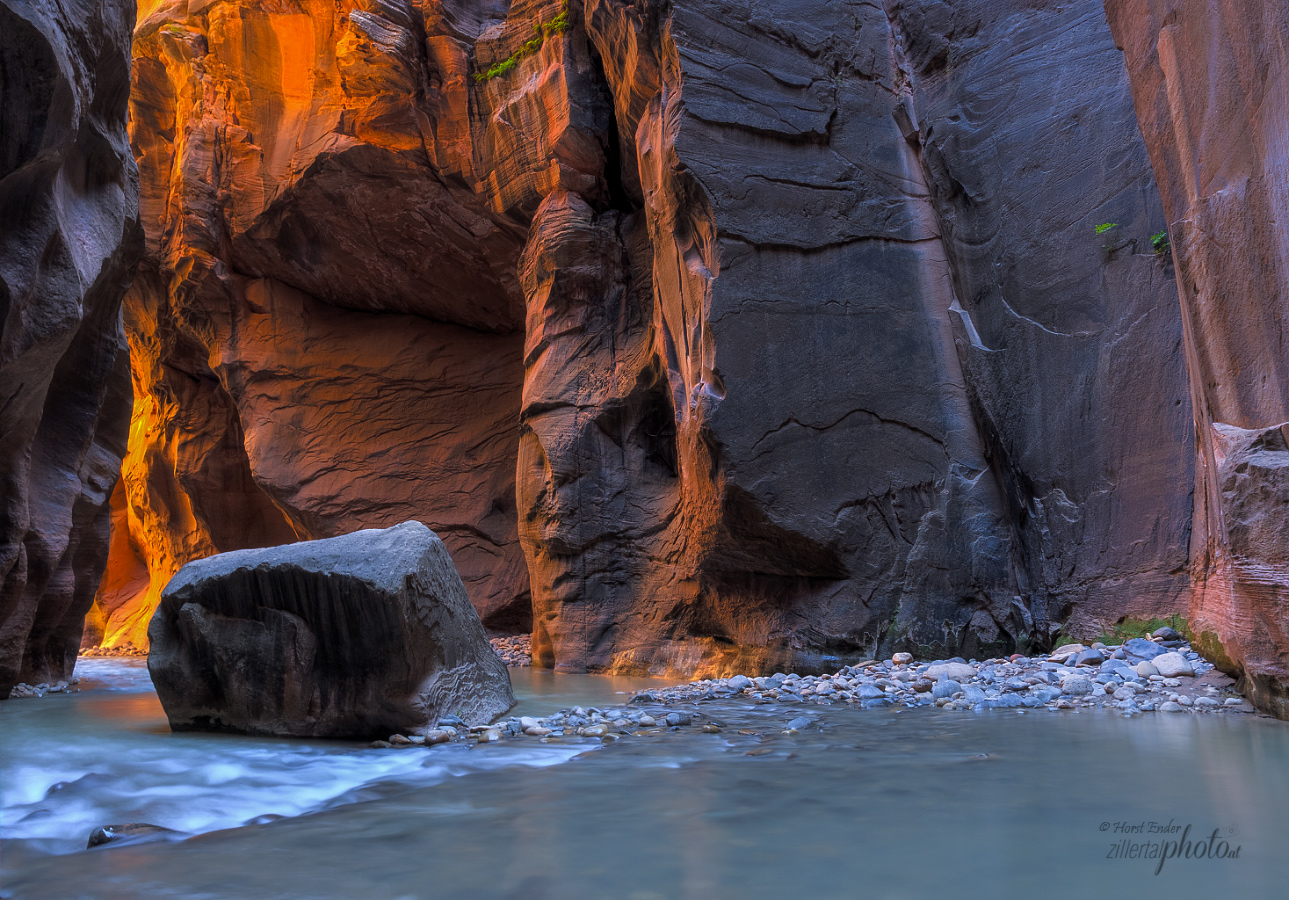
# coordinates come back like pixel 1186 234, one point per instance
pixel 951 670
pixel 1173 664
pixel 945 688
pixel 22 690
pixel 1062 653
pixel 902 659
pixel 1076 685
pixel 1016 682
pixel 516 650
pixel 1142 648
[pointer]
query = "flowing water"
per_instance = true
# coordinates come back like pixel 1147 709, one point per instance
pixel 862 803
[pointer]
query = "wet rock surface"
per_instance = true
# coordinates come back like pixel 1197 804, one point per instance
pixel 131 833
pixel 1058 681
pixel 353 636
pixel 69 241
pixel 1054 683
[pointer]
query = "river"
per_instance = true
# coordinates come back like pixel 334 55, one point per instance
pixel 884 804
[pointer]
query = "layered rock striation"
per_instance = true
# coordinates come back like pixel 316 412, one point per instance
pixel 69 242
pixel 708 334
pixel 1211 86
pixel 355 636
pixel 916 398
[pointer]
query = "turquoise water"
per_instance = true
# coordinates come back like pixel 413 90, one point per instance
pixel 862 803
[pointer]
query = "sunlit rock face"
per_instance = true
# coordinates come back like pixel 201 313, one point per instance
pixel 327 328
pixel 1211 85
pixel 741 335
pixel 69 239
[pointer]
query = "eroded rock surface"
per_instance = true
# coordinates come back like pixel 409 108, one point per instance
pixel 711 335
pixel 69 240
pixel 906 375
pixel 354 636
pixel 1211 85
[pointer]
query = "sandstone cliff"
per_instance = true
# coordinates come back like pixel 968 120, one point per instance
pixel 1211 84
pixel 69 239
pixel 740 334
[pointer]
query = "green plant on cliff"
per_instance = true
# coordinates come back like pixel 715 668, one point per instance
pixel 1159 243
pixel 1133 627
pixel 1125 629
pixel 1106 226
pixel 557 25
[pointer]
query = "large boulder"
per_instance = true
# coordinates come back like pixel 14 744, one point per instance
pixel 354 636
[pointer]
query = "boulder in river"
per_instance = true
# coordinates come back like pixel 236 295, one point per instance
pixel 357 636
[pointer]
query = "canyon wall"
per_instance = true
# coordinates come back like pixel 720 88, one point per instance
pixel 1211 85
pixel 69 239
pixel 708 334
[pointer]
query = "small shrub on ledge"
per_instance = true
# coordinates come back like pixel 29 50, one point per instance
pixel 557 25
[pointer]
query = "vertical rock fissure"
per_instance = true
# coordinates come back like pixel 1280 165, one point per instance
pixel 971 456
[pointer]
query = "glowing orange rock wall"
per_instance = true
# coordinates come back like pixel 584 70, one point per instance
pixel 327 331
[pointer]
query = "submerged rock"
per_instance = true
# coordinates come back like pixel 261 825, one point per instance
pixel 357 636
pixel 131 833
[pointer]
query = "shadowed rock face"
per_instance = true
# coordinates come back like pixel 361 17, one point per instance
pixel 711 334
pixel 1211 85
pixel 356 636
pixel 69 240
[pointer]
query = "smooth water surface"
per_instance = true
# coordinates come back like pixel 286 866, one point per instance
pixel 863 803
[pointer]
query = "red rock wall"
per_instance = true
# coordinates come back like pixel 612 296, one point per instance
pixel 327 331
pixel 69 239
pixel 1210 80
